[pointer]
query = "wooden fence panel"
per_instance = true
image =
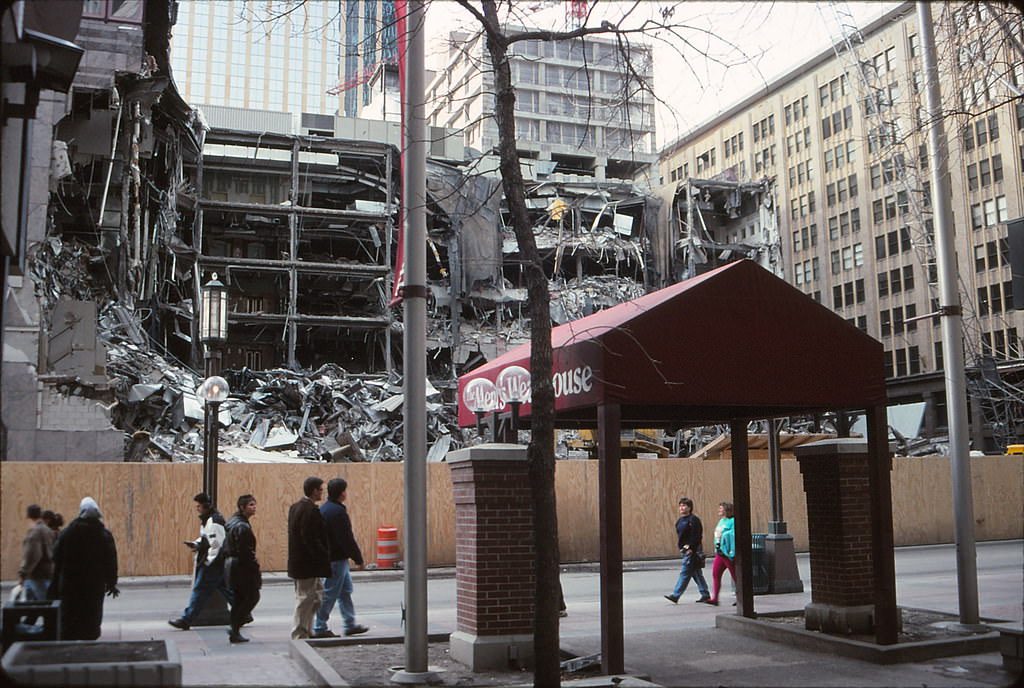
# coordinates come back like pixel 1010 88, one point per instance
pixel 149 507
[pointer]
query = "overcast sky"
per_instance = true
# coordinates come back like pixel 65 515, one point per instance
pixel 752 43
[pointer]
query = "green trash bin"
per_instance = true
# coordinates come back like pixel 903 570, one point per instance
pixel 759 563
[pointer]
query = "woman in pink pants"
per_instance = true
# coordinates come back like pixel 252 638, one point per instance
pixel 725 549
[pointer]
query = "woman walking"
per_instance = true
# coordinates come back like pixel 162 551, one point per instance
pixel 725 549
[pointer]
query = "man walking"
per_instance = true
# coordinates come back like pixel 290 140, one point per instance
pixel 36 555
pixel 242 568
pixel 341 546
pixel 209 567
pixel 690 533
pixel 308 562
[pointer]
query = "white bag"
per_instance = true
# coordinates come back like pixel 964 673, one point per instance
pixel 18 593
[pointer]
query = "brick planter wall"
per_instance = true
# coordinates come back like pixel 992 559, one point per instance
pixel 836 482
pixel 493 557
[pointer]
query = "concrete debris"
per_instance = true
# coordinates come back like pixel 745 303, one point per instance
pixel 272 415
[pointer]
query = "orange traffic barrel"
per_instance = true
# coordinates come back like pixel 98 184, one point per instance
pixel 387 547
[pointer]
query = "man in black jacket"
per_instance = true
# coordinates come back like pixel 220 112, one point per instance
pixel 242 568
pixel 308 562
pixel 209 568
pixel 342 546
pixel 689 535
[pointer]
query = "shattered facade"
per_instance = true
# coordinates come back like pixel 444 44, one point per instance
pixel 296 215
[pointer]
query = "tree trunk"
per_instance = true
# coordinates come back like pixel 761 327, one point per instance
pixel 541 452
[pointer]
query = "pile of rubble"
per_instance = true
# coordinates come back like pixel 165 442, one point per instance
pixel 270 416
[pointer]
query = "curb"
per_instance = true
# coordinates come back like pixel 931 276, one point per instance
pixel 899 653
pixel 315 666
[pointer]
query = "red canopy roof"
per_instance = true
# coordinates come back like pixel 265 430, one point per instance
pixel 736 342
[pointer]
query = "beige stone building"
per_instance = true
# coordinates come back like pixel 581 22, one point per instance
pixel 843 137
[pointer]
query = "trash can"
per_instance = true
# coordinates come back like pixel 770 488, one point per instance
pixel 30 620
pixel 759 563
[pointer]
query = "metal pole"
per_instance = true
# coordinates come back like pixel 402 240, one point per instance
pixel 776 522
pixel 952 337
pixel 414 339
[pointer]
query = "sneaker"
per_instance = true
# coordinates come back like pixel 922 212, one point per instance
pixel 248 620
pixel 562 613
pixel 674 599
pixel 324 634
pixel 703 600
pixel 180 623
pixel 356 630
pixel 237 638
pixel 713 603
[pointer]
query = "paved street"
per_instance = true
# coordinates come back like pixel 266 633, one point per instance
pixel 925 579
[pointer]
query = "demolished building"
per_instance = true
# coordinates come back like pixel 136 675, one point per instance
pixel 147 197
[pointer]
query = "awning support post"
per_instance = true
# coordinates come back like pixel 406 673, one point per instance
pixel 609 424
pixel 741 508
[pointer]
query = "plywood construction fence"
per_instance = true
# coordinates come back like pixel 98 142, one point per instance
pixel 149 507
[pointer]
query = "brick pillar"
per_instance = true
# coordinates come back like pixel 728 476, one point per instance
pixel 494 555
pixel 835 475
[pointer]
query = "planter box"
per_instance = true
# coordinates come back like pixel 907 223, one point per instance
pixel 94 663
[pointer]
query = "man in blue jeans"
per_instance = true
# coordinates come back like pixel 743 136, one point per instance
pixel 209 561
pixel 342 546
pixel 690 533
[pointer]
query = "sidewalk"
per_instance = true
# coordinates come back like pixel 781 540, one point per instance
pixel 676 645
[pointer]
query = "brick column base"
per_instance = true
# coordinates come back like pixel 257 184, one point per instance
pixel 494 557
pixel 835 474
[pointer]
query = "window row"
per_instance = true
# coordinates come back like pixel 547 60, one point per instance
pixel 764 128
pixel 805 238
pixel 833 90
pixel 1002 344
pixel 985 172
pixel 988 213
pixel 884 135
pixel 798 141
pixel 881 99
pixel 980 132
pixel 734 144
pixel 763 159
pixel 806 272
pixel 796 110
pixel 887 171
pixel 706 160
pixel 839 191
pixel 802 206
pixel 844 223
pixel 887 208
pixel 991 255
pixel 680 173
pixel 840 120
pixel 895 281
pixel 847 258
pixel 995 298
pixel 840 155
pixel 800 173
pixel 902 362
pixel 847 294
pixel 894 321
pixel 893 243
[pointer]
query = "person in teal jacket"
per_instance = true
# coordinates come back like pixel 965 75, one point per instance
pixel 725 549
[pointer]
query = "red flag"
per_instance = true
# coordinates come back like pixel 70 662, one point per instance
pixel 401 10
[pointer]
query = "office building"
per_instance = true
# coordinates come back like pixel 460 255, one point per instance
pixel 572 108
pixel 844 137
pixel 242 54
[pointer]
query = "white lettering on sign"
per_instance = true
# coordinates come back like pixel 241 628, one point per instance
pixel 480 395
pixel 573 381
pixel 513 384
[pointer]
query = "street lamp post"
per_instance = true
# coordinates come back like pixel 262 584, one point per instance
pixel 213 322
pixel 213 391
